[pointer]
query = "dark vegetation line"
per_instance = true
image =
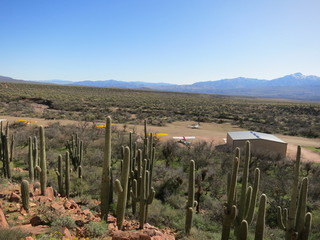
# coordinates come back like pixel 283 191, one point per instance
pixel 133 106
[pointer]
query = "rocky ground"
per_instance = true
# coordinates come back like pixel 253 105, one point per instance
pixel 43 209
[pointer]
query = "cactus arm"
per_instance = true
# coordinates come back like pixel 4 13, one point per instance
pixel 301 208
pixel 151 196
pixel 307 228
pixel 260 225
pixel 233 182
pixel 294 195
pixel 249 200
pixel 134 196
pixel 281 224
pixel 252 206
pixel 243 230
pixel 230 210
pixel 118 187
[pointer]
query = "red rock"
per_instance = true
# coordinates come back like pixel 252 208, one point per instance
pixel 19 170
pixel 111 219
pixel 14 197
pixel 87 212
pixel 57 207
pixel 30 238
pixel 50 193
pixel 164 237
pixel 33 230
pixel 122 235
pixel 67 204
pixel 112 227
pixel 74 205
pixel 66 233
pixel 3 220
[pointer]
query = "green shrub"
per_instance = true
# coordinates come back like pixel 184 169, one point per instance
pixel 96 229
pixel 64 221
pixel 12 234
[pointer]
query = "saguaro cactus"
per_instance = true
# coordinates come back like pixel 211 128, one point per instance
pixel 6 150
pixel 75 148
pixel 248 194
pixel 122 188
pixel 35 156
pixel 43 162
pixel 144 194
pixel 243 230
pixel 296 222
pixel 30 157
pixel 67 175
pixel 25 194
pixel 106 176
pixel 230 208
pixel 191 204
pixel 261 218
pixel 59 173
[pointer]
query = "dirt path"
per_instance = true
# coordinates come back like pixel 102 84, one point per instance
pixel 208 131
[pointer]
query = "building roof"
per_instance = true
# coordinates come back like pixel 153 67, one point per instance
pixel 250 135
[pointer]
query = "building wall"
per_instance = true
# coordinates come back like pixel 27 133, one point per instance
pixel 229 140
pixel 260 145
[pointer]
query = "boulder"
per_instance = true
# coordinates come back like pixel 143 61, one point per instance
pixel 14 197
pixel 3 220
pixel 36 220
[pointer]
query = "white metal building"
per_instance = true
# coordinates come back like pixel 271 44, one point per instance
pixel 260 142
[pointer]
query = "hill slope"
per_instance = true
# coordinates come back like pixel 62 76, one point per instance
pixel 295 86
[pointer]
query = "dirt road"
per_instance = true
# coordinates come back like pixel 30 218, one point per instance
pixel 208 131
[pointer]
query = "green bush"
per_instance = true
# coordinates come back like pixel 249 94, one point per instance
pixel 12 234
pixel 64 221
pixel 96 229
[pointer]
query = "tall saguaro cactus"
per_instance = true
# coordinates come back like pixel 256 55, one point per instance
pixel 248 194
pixel 35 156
pixel 230 208
pixel 31 162
pixel 59 173
pixel 67 175
pixel 122 188
pixel 191 204
pixel 295 221
pixel 6 151
pixel 236 213
pixel 43 162
pixel 106 173
pixel 261 218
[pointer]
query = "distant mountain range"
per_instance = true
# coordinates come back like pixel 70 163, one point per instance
pixel 295 86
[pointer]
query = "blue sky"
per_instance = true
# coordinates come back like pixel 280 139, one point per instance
pixel 174 41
